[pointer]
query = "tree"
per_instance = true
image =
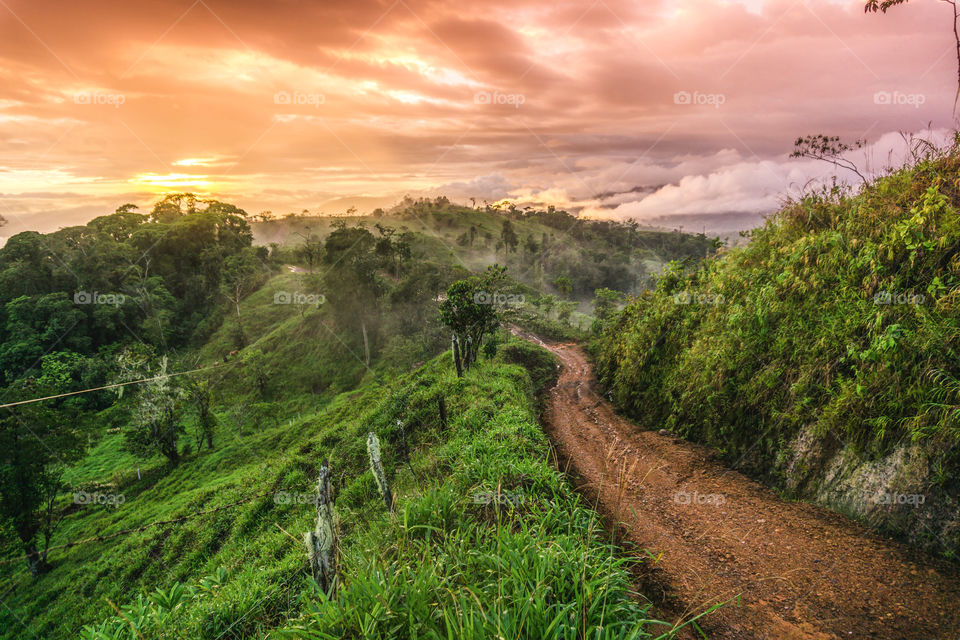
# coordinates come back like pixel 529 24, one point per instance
pixel 393 250
pixel 35 325
pixel 37 442
pixel 255 365
pixel 828 149
pixel 189 254
pixel 174 206
pixel 27 264
pixel 564 309
pixel 564 285
pixel 311 251
pixel 241 275
pixel 199 392
pixel 240 413
pixel 120 225
pixel 509 237
pixel 872 6
pixel 158 308
pixel 530 247
pixel 468 312
pixel 351 283
pixel 412 301
pixel 154 425
pixel 546 303
pixel 605 303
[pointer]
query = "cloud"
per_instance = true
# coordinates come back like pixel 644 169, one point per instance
pixel 491 188
pixel 761 187
pixel 389 98
pixel 745 187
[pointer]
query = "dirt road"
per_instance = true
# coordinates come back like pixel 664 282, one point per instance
pixel 801 572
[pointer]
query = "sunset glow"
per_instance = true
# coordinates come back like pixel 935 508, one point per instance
pixel 178 180
pixel 619 109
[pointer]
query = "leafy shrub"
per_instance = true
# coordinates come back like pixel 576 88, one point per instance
pixel 540 363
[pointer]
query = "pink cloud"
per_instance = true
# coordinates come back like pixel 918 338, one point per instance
pixel 593 86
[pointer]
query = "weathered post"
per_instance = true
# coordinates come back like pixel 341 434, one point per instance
pixel 404 449
pixel 322 542
pixel 376 466
pixel 442 405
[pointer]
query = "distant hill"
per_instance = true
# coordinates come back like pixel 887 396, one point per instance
pixel 537 246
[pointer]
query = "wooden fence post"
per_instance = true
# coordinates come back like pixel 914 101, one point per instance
pixel 376 465
pixel 322 542
pixel 442 406
pixel 405 450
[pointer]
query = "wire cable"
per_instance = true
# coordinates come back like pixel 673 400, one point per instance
pixel 108 386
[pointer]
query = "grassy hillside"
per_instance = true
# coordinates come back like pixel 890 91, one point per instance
pixel 171 507
pixel 444 564
pixel 823 355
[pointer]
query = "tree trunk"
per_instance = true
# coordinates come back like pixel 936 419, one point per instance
pixel 36 561
pixel 169 450
pixel 376 466
pixel 456 356
pixel 442 406
pixel 366 343
pixel 956 37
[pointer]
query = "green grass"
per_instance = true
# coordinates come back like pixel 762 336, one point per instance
pixel 104 460
pixel 304 354
pixel 440 566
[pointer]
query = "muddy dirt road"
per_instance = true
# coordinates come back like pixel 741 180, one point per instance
pixel 801 572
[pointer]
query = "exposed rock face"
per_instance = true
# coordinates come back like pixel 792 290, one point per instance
pixel 898 493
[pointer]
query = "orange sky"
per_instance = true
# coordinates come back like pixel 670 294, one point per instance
pixel 665 111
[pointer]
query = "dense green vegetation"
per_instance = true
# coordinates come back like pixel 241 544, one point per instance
pixel 550 250
pixel 226 373
pixel 839 322
pixel 133 296
pixel 68 300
